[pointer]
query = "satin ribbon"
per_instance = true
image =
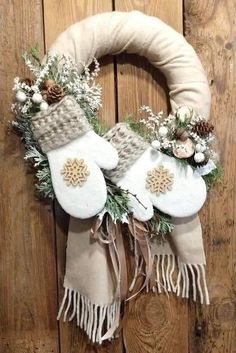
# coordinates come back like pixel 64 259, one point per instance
pixel 140 232
pixel 112 236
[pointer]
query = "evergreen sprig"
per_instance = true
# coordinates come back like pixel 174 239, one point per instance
pixel 137 127
pixel 88 95
pixel 81 86
pixel 116 206
pixel 35 156
pixel 99 127
pixel 214 177
pixel 44 185
pixel 160 224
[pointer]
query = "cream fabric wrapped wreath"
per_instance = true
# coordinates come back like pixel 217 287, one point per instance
pixel 94 289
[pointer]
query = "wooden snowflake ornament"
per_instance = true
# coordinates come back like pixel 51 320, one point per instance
pixel 159 180
pixel 75 172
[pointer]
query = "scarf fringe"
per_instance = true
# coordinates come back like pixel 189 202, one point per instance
pixel 189 275
pixel 101 321
pixel 98 321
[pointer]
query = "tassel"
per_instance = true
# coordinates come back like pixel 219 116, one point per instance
pixel 90 317
pixel 168 273
pixel 173 287
pixel 167 264
pixel 74 306
pixel 78 309
pixel 205 285
pixel 94 329
pixel 68 305
pixel 158 274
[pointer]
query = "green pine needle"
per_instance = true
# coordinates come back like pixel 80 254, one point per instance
pixel 214 177
pixel 35 53
pixel 117 199
pixel 161 224
pixel 137 127
pixel 99 127
pixel 116 206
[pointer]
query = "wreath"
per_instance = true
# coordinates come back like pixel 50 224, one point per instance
pixel 142 180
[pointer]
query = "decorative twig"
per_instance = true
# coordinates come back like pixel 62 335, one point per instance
pixel 127 192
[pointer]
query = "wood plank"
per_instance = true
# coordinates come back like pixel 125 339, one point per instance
pixel 28 293
pixel 213 329
pixel 140 81
pixel 58 16
pixel 156 323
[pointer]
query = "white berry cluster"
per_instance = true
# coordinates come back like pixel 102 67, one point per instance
pixel 175 134
pixel 29 98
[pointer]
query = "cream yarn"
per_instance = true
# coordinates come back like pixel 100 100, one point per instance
pixel 129 146
pixel 59 124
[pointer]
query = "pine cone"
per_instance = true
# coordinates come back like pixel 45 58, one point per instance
pixel 181 134
pixel 192 162
pixel 55 93
pixel 49 83
pixel 27 81
pixel 203 128
pixel 44 94
pixel 46 84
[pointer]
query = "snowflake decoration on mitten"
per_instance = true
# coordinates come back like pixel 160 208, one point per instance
pixel 159 180
pixel 75 172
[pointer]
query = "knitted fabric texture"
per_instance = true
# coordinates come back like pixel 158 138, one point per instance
pixel 59 124
pixel 129 146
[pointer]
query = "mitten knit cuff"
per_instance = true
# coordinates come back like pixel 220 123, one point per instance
pixel 59 124
pixel 129 146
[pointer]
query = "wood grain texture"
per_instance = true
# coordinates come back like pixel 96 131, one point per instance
pixel 210 28
pixel 60 14
pixel 141 82
pixel 156 323
pixel 28 293
pixel 32 265
pixel 72 340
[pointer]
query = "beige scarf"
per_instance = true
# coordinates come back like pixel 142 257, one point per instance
pixel 91 294
pixel 96 280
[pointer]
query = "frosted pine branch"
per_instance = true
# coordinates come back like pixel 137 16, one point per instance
pixel 34 154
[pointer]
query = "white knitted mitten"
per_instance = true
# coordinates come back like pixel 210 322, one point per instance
pixel 76 154
pixel 155 178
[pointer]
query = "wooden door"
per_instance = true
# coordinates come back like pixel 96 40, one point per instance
pixel 33 234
